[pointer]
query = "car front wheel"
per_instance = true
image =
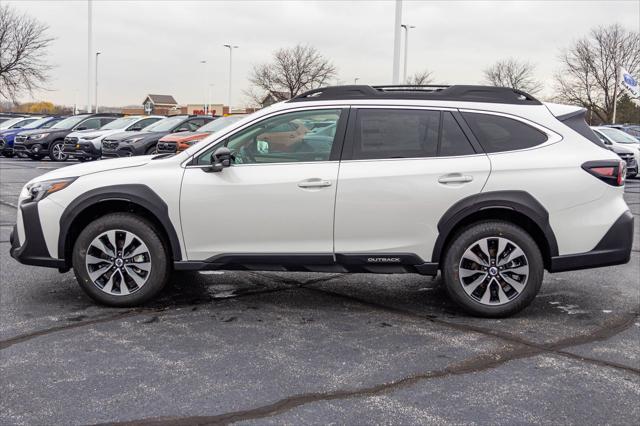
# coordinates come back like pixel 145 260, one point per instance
pixel 120 260
pixel 56 152
pixel 493 269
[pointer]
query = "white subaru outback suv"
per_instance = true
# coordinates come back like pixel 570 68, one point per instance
pixel 487 185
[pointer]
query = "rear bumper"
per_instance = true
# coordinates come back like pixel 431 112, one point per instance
pixel 613 249
pixel 33 250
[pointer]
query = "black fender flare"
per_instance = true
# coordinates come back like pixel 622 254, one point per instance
pixel 519 201
pixel 133 193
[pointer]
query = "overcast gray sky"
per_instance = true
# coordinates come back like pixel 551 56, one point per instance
pixel 157 46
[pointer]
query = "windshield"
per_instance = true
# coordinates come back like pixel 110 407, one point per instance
pixel 120 123
pixel 166 124
pixel 10 122
pixel 68 123
pixel 20 124
pixel 220 123
pixel 37 123
pixel 618 136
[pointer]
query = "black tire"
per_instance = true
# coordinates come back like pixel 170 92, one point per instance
pixel 36 157
pixel 8 154
pixel 153 149
pixel 464 240
pixel 158 256
pixel 82 159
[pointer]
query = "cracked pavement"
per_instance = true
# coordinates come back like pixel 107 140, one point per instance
pixel 299 348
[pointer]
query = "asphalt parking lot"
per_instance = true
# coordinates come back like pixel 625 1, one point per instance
pixel 297 348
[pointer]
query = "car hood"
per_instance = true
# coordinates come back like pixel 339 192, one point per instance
pixel 39 131
pixel 84 169
pixel 184 136
pixel 93 133
pixel 620 149
pixel 127 135
pixel 9 132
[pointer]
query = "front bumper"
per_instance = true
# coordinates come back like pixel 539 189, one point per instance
pixel 81 150
pixel 33 250
pixel 613 249
pixel 29 149
pixel 167 147
pixel 5 146
pixel 117 149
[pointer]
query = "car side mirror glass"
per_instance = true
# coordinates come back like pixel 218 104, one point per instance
pixel 81 128
pixel 220 159
pixel 135 129
pixel 181 129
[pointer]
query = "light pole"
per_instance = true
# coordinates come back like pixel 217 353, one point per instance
pixel 89 52
pixel 406 49
pixel 96 88
pixel 205 106
pixel 231 47
pixel 355 80
pixel 396 42
pixel 209 100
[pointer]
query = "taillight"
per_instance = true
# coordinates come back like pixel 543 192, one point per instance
pixel 610 171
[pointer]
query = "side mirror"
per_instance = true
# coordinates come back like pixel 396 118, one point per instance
pixel 181 129
pixel 220 159
pixel 81 128
pixel 135 129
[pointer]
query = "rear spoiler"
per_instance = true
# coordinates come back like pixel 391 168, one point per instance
pixel 575 118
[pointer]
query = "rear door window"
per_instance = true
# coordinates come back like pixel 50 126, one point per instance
pixel 395 133
pixel 498 134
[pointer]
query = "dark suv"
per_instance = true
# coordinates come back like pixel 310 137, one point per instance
pixel 41 142
pixel 145 142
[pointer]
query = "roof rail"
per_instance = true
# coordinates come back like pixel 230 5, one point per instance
pixel 461 93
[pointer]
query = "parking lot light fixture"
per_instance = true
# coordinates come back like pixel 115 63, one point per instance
pixel 231 47
pixel 406 50
pixel 205 106
pixel 96 87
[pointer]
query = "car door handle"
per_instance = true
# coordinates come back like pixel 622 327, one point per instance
pixel 314 183
pixel 455 178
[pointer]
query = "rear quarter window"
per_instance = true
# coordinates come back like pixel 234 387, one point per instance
pixel 498 134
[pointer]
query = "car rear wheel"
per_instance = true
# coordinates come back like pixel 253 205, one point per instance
pixel 120 260
pixel 493 269
pixel 56 151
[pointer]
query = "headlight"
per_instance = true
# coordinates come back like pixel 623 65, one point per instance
pixel 40 190
pixel 38 136
pixel 133 140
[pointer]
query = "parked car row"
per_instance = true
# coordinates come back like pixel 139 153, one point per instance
pixel 622 143
pixel 88 137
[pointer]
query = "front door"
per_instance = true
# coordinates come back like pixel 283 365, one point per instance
pixel 270 201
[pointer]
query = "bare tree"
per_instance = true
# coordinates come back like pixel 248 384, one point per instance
pixel 513 73
pixel 590 66
pixel 293 70
pixel 23 42
pixel 420 78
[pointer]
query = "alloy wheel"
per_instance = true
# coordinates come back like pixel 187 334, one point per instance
pixel 58 152
pixel 493 271
pixel 118 262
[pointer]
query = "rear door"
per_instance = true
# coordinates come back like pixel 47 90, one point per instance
pixel 401 169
